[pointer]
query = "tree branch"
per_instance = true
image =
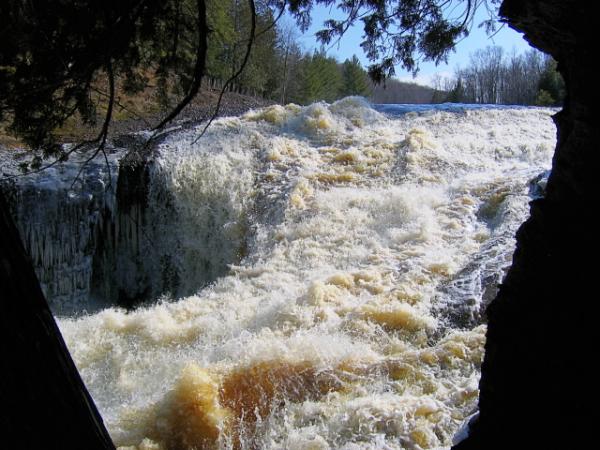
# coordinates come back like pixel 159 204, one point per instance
pixel 201 50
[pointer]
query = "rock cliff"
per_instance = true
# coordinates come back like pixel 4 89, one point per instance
pixel 536 376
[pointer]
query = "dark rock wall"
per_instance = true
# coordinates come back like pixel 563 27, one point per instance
pixel 125 235
pixel 129 265
pixel 537 376
pixel 94 244
pixel 60 217
pixel 45 404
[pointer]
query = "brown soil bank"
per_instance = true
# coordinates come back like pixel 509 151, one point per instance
pixel 536 377
pixel 141 112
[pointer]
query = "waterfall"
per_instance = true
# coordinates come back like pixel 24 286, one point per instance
pixel 317 274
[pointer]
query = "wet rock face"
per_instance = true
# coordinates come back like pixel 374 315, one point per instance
pixel 127 232
pixel 45 402
pixel 91 239
pixel 110 239
pixel 535 377
pixel 61 218
pixel 121 265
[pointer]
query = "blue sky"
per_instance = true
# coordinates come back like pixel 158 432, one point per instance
pixel 350 44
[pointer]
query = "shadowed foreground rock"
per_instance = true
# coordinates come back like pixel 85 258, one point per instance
pixel 45 405
pixel 537 377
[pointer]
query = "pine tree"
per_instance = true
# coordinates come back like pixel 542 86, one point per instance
pixel 321 78
pixel 355 79
pixel 551 87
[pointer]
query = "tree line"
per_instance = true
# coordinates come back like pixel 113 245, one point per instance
pixel 280 70
pixel 167 42
pixel 276 68
pixel 395 91
pixel 494 77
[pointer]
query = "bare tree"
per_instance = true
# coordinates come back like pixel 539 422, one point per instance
pixel 496 78
pixel 288 37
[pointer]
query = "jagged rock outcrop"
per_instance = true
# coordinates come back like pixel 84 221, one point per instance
pixel 537 375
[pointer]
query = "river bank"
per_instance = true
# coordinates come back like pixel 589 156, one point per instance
pixel 141 113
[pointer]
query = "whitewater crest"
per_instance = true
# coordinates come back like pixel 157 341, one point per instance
pixel 351 319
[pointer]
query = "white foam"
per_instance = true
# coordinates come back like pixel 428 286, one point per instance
pixel 328 324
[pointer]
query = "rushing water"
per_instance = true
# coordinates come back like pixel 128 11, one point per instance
pixel 363 246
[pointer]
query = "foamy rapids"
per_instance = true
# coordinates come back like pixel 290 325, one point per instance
pixel 351 319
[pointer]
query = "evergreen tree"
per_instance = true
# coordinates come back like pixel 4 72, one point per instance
pixel 222 39
pixel 321 78
pixel 259 75
pixel 52 51
pixel 457 94
pixel 355 79
pixel 551 87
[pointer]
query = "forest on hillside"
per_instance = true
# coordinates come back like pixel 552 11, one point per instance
pixel 280 70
